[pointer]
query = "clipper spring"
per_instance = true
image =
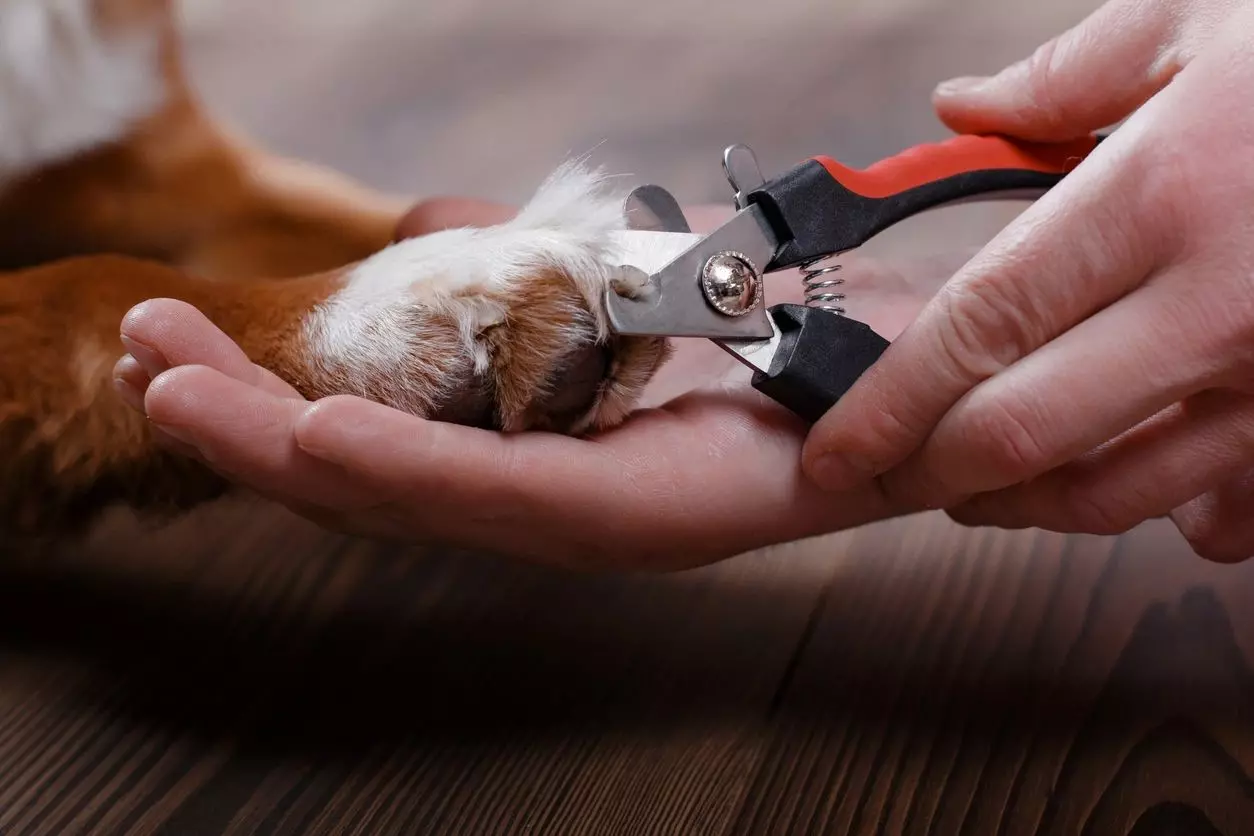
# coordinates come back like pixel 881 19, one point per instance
pixel 820 291
pixel 821 283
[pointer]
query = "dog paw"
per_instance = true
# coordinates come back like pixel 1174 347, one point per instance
pixel 502 326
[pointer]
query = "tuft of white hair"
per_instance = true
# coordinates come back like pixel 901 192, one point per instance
pixel 365 330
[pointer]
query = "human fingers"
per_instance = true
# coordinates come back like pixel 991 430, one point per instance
pixel 1218 524
pixel 709 476
pixel 130 382
pixel 245 434
pixel 163 333
pixel 1184 329
pixel 1156 347
pixel 1146 473
pixel 1087 78
pixel 1085 244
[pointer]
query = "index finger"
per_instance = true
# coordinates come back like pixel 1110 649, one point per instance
pixel 1074 251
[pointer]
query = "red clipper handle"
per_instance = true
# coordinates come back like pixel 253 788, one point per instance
pixel 822 207
pixel 925 164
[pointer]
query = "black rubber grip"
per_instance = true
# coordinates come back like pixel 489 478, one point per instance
pixel 820 356
pixel 816 216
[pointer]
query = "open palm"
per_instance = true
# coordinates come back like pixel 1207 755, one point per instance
pixel 705 470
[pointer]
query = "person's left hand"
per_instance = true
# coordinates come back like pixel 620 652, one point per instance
pixel 711 470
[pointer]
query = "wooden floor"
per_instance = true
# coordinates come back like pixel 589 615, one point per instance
pixel 245 673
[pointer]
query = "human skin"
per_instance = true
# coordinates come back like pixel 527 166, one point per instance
pixel 707 470
pixel 1090 368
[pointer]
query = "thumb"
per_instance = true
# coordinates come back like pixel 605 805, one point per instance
pixel 1088 78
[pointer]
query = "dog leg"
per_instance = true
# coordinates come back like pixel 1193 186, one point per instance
pixel 114 154
pixel 500 327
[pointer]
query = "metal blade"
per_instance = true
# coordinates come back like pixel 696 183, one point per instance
pixel 675 304
pixel 741 167
pixel 654 208
pixel 756 354
pixel 649 250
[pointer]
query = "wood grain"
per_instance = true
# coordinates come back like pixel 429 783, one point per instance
pixel 1006 683
pixel 907 678
pixel 244 673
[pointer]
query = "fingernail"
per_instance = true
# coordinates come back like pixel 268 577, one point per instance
pixel 130 395
pixel 840 471
pixel 962 86
pixel 151 360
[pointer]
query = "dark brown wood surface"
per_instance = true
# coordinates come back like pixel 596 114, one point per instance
pixel 242 672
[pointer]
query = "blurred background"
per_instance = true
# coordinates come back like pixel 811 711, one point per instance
pixel 483 97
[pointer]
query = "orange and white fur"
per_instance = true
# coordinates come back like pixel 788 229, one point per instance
pixel 116 187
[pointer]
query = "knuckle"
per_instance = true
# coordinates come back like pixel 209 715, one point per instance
pixel 1009 435
pixel 1179 203
pixel 1041 71
pixel 1162 178
pixel 1146 210
pixel 885 430
pixel 981 324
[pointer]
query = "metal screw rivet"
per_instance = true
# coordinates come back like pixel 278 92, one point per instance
pixel 731 283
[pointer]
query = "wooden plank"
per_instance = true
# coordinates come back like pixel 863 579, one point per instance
pixel 1018 683
pixel 443 693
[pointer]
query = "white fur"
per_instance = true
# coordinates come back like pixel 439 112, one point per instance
pixel 473 274
pixel 67 84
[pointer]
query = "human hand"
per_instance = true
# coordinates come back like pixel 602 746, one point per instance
pixel 1091 367
pixel 709 471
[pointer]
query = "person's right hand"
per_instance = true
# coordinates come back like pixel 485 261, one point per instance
pixel 1093 367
